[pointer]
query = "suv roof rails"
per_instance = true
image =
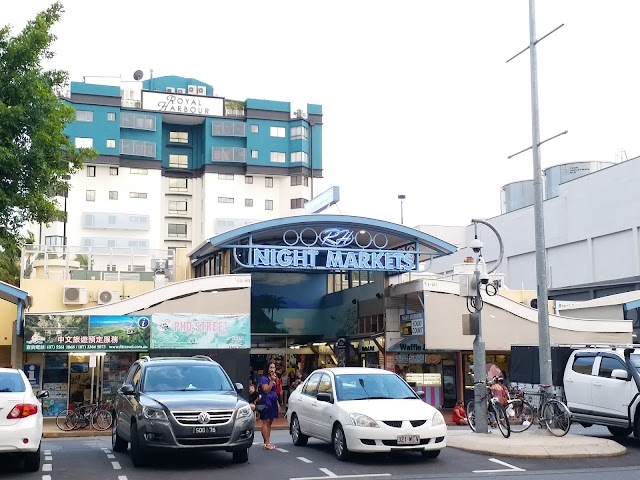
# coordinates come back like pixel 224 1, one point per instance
pixel 146 358
pixel 202 357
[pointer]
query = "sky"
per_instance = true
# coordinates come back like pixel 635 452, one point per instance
pixel 417 96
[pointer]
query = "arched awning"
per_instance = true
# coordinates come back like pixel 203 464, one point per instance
pixel 20 298
pixel 342 242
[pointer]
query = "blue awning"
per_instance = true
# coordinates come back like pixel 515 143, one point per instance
pixel 14 295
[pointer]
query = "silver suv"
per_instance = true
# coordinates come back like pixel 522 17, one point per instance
pixel 181 403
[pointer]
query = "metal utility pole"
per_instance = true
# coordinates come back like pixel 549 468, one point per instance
pixel 538 207
pixel 401 198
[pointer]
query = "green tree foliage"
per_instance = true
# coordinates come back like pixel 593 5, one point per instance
pixel 36 157
pixel 10 261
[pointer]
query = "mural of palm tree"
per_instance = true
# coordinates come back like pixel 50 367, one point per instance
pixel 264 323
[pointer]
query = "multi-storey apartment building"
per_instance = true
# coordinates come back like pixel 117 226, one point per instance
pixel 178 164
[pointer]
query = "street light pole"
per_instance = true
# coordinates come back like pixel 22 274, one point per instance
pixel 401 198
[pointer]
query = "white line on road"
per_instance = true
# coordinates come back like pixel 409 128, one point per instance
pixel 116 465
pixel 46 477
pixel 47 452
pixel 511 468
pixel 106 450
pixel 111 455
pixel 48 458
pixel 305 460
pixel 122 477
pixel 330 474
pixel 282 450
pixel 46 467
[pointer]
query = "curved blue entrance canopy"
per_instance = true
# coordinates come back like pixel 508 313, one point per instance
pixel 327 242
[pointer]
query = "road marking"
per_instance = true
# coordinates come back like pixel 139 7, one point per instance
pixel 48 458
pixel 46 467
pixel 511 468
pixel 305 460
pixel 47 452
pixel 111 455
pixel 122 477
pixel 116 465
pixel 330 474
pixel 106 450
pixel 46 477
pixel 282 450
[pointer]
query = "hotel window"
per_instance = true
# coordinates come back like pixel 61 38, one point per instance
pixel 179 161
pixel 138 171
pixel 278 132
pixel 278 157
pixel 177 230
pixel 138 148
pixel 225 176
pixel 268 204
pixel 248 202
pixel 229 129
pixel 297 157
pixel 254 128
pixel 178 184
pixel 254 153
pixel 111 117
pixel 268 182
pixel 137 195
pixel 179 137
pixel 299 180
pixel 113 171
pixel 248 180
pixel 91 196
pixel 225 200
pixel 111 144
pixel 178 207
pixel 82 142
pixel 298 203
pixel 113 195
pixel 299 132
pixel 84 116
pixel 91 171
pixel 138 121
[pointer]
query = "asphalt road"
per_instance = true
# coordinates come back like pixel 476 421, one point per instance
pixel 92 458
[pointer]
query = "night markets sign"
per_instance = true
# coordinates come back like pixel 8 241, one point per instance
pixel 70 333
pixel 330 249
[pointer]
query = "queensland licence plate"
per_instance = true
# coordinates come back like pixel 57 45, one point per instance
pixel 408 439
pixel 204 429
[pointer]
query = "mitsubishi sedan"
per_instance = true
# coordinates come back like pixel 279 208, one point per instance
pixel 364 410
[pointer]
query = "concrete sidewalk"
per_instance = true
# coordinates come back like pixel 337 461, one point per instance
pixel 534 443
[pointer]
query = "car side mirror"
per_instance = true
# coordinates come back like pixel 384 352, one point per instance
pixel 239 388
pixel 620 374
pixel 42 394
pixel 324 397
pixel 420 394
pixel 127 389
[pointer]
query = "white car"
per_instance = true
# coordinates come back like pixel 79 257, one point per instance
pixel 364 410
pixel 20 417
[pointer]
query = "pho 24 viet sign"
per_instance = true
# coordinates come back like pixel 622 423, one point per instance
pixel 197 331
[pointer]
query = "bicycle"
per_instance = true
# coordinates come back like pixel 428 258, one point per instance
pixel 551 412
pixel 91 416
pixel 495 410
pixel 519 411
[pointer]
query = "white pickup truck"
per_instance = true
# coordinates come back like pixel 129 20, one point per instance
pixel 601 387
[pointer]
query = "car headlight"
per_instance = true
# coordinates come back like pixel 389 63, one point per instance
pixel 154 413
pixel 360 420
pixel 244 411
pixel 437 419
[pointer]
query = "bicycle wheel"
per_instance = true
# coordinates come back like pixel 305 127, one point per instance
pixel 522 415
pixel 102 420
pixel 471 415
pixel 556 417
pixel 66 420
pixel 502 420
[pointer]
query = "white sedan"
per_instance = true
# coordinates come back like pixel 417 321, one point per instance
pixel 364 410
pixel 20 417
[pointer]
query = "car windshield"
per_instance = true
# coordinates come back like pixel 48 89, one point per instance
pixel 11 382
pixel 635 361
pixel 185 378
pixel 367 386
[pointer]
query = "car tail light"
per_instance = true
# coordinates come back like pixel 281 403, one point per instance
pixel 23 410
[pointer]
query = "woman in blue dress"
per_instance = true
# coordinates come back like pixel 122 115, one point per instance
pixel 270 400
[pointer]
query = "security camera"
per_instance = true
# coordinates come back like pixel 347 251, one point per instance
pixel 476 245
pixel 484 279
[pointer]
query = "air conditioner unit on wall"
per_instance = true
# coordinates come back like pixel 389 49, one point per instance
pixel 108 296
pixel 192 89
pixel 202 90
pixel 74 295
pixel 170 90
pixel 181 90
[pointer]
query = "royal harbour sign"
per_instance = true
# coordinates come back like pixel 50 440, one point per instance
pixel 329 249
pixel 182 104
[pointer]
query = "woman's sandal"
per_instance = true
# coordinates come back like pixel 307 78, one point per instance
pixel 269 446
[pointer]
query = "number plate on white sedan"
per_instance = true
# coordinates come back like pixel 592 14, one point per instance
pixel 204 429
pixel 408 439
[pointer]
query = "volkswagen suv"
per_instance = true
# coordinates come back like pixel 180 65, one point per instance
pixel 180 403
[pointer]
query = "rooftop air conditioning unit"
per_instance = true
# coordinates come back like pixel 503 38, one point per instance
pixel 74 295
pixel 202 90
pixel 108 296
pixel 181 90
pixel 170 90
pixel 192 89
